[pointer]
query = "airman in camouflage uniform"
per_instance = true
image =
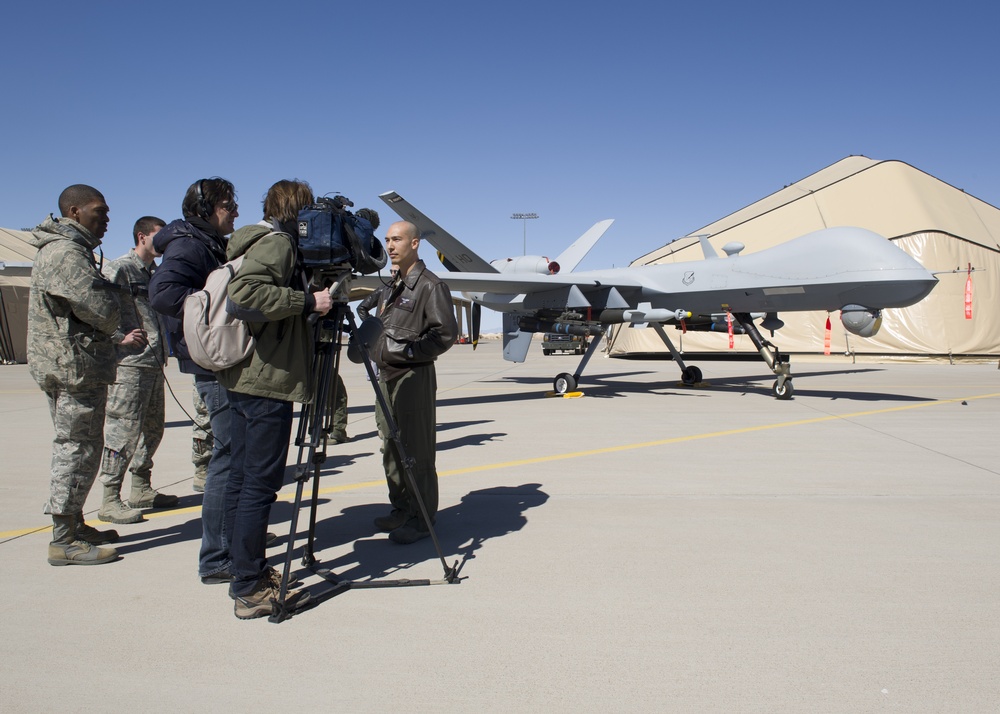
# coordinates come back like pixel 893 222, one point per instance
pixel 72 329
pixel 201 441
pixel 133 427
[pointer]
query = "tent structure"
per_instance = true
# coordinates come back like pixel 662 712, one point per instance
pixel 16 257
pixel 941 226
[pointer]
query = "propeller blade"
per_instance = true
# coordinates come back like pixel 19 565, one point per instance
pixel 477 314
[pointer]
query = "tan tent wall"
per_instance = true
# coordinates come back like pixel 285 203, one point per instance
pixel 13 324
pixel 17 254
pixel 941 226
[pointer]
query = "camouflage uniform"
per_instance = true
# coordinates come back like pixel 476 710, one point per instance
pixel 72 329
pixel 133 425
pixel 201 441
pixel 339 410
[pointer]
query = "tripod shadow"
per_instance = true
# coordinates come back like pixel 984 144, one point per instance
pixel 335 461
pixel 462 530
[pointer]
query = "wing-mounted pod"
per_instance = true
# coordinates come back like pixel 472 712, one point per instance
pixel 527 264
pixel 860 320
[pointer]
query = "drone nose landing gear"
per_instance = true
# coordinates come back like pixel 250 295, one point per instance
pixel 777 362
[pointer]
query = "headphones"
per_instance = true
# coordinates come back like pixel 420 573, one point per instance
pixel 203 206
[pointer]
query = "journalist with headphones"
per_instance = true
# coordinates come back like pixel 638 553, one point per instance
pixel 192 247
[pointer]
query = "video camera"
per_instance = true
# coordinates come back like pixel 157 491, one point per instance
pixel 331 237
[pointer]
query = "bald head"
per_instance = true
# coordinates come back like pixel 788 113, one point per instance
pixel 405 228
pixel 401 243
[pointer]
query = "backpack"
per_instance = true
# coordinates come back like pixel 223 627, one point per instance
pixel 216 339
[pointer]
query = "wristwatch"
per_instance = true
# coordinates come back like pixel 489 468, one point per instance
pixel 409 352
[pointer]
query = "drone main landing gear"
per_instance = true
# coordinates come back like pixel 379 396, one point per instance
pixel 689 374
pixel 565 382
pixel 775 360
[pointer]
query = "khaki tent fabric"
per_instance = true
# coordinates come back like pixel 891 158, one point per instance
pixel 17 255
pixel 940 225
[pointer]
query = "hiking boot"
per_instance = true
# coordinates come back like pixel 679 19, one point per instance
pixel 410 532
pixel 114 511
pixel 389 523
pixel 80 553
pixel 65 549
pixel 91 535
pixel 258 603
pixel 223 576
pixel 145 496
pixel 274 575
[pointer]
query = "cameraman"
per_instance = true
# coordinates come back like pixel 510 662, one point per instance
pixel 271 293
pixel 192 248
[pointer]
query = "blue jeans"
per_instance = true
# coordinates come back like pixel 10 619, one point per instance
pixel 214 555
pixel 261 428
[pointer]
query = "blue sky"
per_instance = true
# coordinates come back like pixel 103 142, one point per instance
pixel 664 116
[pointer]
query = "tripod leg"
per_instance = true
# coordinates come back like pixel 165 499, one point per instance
pixel 311 439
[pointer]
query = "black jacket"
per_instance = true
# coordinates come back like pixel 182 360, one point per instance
pixel 419 323
pixel 191 250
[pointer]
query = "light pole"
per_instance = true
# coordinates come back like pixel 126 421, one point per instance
pixel 524 217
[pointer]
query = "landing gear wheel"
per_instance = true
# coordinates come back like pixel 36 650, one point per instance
pixel 691 375
pixel 785 391
pixel 564 383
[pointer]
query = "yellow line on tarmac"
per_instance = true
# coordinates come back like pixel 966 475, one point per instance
pixel 709 435
pixel 290 496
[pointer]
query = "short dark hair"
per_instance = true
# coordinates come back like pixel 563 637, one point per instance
pixel 146 225
pixel 79 194
pixel 204 195
pixel 285 199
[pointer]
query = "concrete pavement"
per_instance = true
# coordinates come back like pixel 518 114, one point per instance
pixel 645 547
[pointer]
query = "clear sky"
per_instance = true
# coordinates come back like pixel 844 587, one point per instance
pixel 664 116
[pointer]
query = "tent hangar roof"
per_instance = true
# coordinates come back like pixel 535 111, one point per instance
pixel 940 225
pixel 891 198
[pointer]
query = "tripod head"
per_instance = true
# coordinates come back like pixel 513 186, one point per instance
pixel 337 278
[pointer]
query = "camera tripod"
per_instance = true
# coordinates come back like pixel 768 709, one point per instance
pixel 314 429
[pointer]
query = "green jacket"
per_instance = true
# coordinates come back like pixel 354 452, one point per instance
pixel 269 284
pixel 72 326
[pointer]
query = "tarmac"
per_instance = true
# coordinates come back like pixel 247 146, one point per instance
pixel 643 547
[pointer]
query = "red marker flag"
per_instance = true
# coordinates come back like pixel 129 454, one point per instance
pixel 826 339
pixel 729 326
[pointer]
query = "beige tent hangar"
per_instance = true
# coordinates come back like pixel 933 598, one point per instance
pixel 16 256
pixel 941 226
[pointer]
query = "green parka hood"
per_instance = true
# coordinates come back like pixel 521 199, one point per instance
pixel 243 238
